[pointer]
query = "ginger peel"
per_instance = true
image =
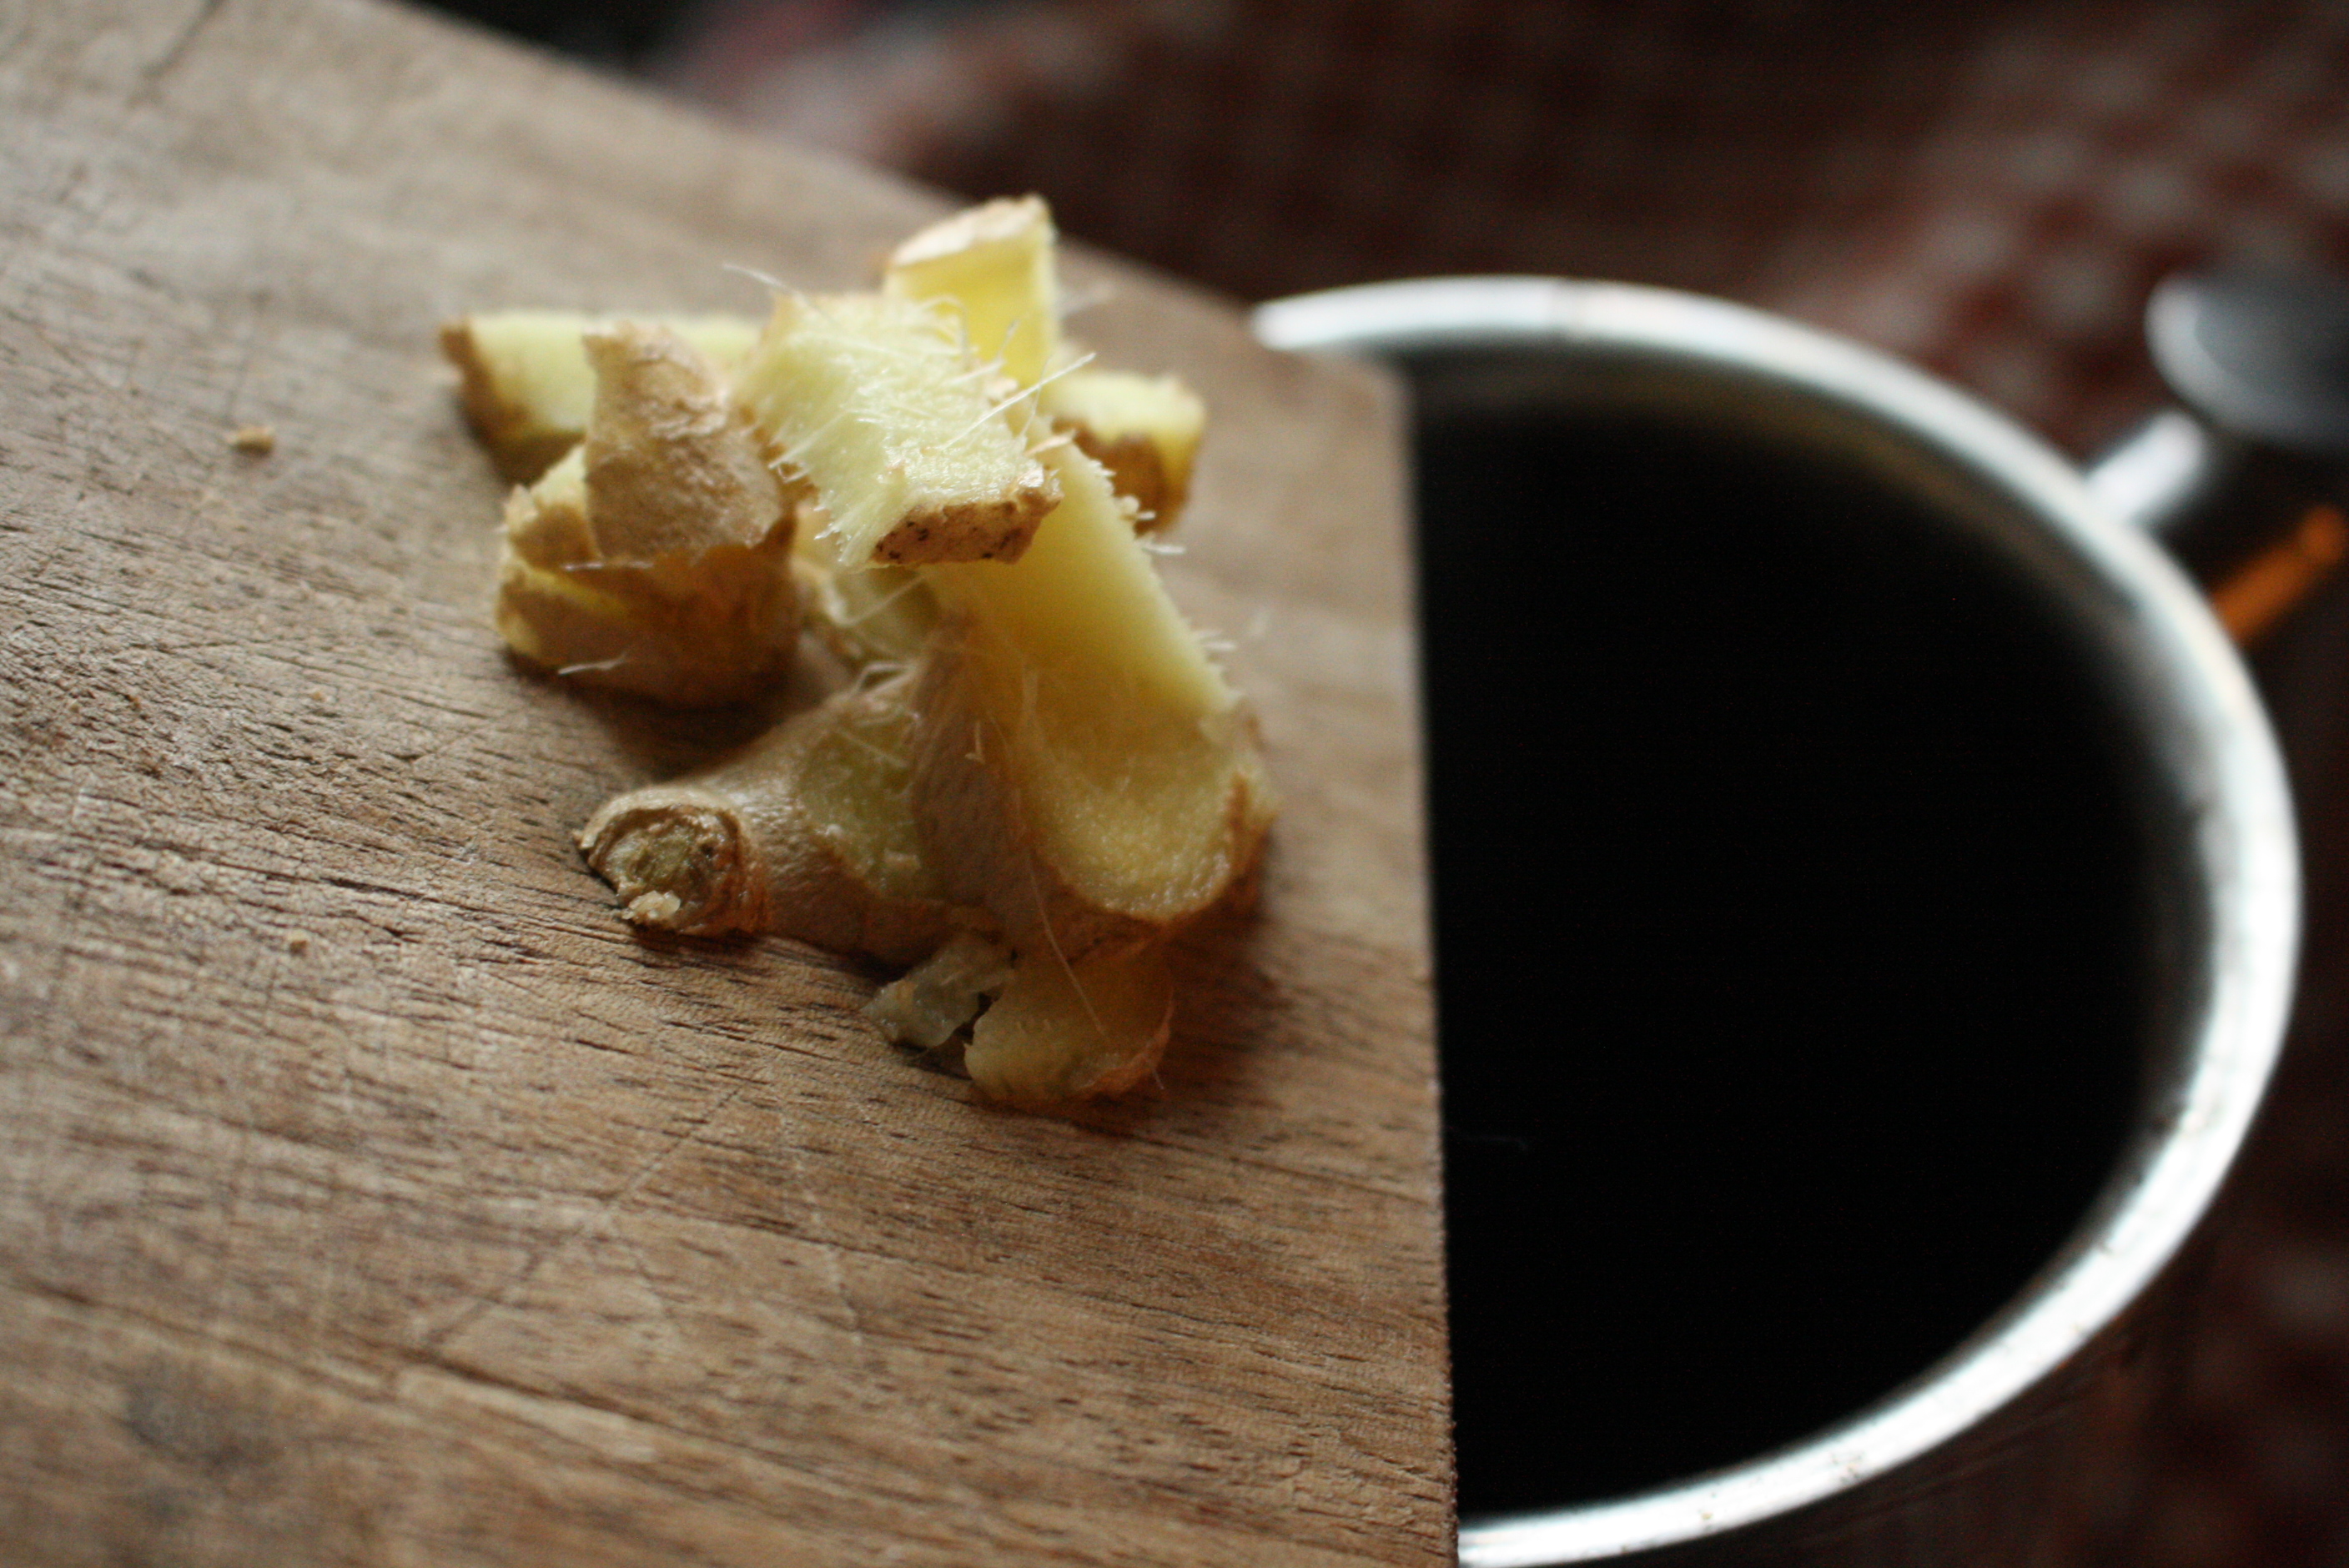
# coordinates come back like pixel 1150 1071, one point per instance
pixel 655 558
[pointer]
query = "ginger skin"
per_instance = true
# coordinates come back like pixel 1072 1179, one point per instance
pixel 654 559
pixel 804 833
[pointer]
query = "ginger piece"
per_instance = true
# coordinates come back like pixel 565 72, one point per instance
pixel 807 832
pixel 672 468
pixel 993 265
pixel 936 999
pixel 1081 767
pixel 546 522
pixel 1062 1032
pixel 881 615
pixel 878 403
pixel 1042 1033
pixel 655 558
pixel 526 385
pixel 1144 429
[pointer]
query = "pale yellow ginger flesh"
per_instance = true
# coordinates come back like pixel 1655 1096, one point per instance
pixel 546 523
pixel 993 265
pixel 655 558
pixel 1040 1033
pixel 881 615
pixel 525 381
pixel 1082 768
pixel 806 833
pixel 1062 1032
pixel 937 999
pixel 1144 429
pixel 914 452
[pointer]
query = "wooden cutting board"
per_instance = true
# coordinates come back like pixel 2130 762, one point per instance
pixel 368 1192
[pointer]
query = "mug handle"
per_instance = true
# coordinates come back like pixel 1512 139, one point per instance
pixel 2245 482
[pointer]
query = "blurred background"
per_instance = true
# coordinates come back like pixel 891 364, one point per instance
pixel 1990 189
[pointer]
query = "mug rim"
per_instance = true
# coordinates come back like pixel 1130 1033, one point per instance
pixel 2244 845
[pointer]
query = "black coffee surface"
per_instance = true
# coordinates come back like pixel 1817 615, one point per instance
pixel 1790 970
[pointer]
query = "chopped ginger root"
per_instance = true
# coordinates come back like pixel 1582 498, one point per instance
pixel 1144 429
pixel 1062 1032
pixel 937 999
pixel 881 615
pixel 1041 1032
pixel 879 404
pixel 672 468
pixel 1038 776
pixel 525 381
pixel 992 265
pixel 806 832
pixel 1082 768
pixel 655 558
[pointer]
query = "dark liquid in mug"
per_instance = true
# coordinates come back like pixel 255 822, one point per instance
pixel 1791 967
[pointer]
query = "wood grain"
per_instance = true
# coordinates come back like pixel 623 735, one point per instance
pixel 369 1193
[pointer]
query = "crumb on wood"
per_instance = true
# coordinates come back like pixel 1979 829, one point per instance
pixel 258 440
pixel 297 943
